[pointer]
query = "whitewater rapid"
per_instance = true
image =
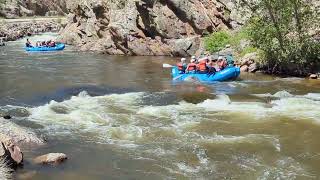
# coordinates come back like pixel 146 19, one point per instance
pixel 179 134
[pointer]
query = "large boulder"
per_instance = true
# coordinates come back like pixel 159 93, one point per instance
pixel 249 59
pixel 253 67
pixel 244 68
pixel 144 27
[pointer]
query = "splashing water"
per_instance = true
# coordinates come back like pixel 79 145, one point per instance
pixel 174 132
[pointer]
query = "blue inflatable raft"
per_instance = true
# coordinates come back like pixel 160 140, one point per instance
pixel 58 47
pixel 227 74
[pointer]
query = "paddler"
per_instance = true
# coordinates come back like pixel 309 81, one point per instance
pixel 202 66
pixel 182 65
pixel 28 43
pixel 192 66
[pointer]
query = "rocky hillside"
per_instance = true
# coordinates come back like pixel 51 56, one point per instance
pixel 18 8
pixel 147 27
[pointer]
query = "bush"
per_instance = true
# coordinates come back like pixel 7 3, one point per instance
pixel 281 30
pixel 217 41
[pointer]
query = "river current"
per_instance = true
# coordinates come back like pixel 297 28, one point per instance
pixel 123 118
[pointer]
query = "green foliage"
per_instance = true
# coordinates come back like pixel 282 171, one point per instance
pixel 248 49
pixel 241 34
pixel 281 30
pixel 217 41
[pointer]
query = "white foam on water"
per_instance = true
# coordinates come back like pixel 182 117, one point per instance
pixel 285 168
pixel 122 117
pixel 123 120
pixel 223 103
pixel 313 96
pixel 250 139
pixel 279 94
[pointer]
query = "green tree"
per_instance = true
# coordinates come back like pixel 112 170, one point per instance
pixel 282 29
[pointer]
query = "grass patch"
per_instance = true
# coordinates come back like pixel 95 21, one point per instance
pixel 217 41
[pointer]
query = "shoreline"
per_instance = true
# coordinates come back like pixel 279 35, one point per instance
pixel 14 29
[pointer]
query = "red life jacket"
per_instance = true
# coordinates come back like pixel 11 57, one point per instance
pixel 202 66
pixel 180 66
pixel 192 67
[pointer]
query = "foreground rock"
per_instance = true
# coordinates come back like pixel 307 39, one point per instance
pixel 12 137
pixel 146 27
pixel 11 154
pixel 51 158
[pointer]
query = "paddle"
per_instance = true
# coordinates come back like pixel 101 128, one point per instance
pixel 167 66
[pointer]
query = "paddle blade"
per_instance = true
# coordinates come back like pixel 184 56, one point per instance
pixel 167 66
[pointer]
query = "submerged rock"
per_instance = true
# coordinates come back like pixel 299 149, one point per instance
pixel 51 158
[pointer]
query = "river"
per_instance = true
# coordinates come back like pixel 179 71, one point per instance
pixel 123 118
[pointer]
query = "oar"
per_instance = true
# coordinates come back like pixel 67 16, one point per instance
pixel 167 66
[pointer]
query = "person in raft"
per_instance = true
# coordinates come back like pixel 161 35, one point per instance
pixel 212 64
pixel 222 63
pixel 192 66
pixel 202 67
pixel 182 66
pixel 28 43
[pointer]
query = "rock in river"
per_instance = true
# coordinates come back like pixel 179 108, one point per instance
pixel 51 158
pixel 313 76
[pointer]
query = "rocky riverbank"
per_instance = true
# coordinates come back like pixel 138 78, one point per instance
pixel 13 139
pixel 11 31
pixel 19 8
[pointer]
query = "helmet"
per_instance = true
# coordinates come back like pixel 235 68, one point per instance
pixel 183 59
pixel 220 58
pixel 193 57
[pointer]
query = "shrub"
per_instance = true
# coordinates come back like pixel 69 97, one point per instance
pixel 217 41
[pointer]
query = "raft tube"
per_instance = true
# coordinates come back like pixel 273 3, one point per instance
pixel 227 74
pixel 58 47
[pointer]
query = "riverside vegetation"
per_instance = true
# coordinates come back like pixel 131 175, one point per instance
pixel 284 33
